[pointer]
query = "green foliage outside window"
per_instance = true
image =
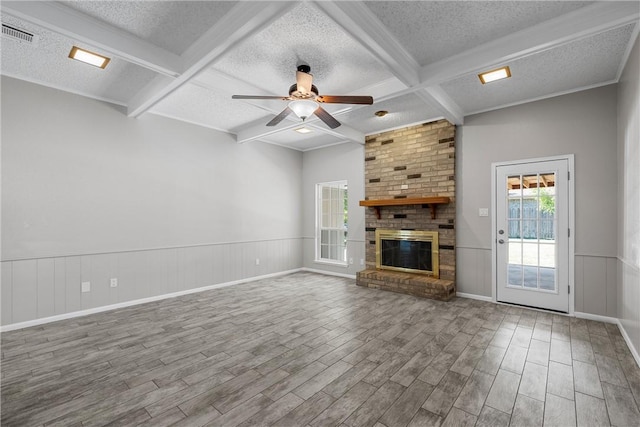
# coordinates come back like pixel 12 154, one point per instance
pixel 547 202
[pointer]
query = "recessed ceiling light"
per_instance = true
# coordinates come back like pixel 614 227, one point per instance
pixel 381 113
pixel 303 130
pixel 89 57
pixel 493 75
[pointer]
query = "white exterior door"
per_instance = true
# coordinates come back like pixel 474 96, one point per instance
pixel 532 234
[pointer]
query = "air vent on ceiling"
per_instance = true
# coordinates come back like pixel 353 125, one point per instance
pixel 18 34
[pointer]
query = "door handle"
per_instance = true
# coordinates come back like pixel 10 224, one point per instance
pixel 501 241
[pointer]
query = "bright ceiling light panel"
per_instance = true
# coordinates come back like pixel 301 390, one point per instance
pixel 303 130
pixel 493 75
pixel 89 57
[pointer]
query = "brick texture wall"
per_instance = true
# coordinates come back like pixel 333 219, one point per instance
pixel 417 161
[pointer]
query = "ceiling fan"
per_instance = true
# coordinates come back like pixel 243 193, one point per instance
pixel 306 101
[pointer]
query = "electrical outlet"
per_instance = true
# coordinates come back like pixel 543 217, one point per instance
pixel 483 211
pixel 257 261
pixel 113 282
pixel 351 261
pixel 86 286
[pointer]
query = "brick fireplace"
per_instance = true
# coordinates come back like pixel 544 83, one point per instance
pixel 410 173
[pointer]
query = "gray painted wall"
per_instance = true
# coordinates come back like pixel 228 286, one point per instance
pixel 335 163
pixel 89 194
pixel 582 123
pixel 629 197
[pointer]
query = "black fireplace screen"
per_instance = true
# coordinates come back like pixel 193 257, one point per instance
pixel 415 255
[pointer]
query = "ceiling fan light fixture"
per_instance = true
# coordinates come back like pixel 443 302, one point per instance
pixel 493 75
pixel 304 102
pixel 303 108
pixel 88 57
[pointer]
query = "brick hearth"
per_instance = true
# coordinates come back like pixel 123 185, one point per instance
pixel 418 285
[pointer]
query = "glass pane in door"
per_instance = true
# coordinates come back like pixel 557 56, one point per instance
pixel 531 241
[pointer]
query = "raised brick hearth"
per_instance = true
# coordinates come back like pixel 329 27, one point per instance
pixel 414 162
pixel 417 285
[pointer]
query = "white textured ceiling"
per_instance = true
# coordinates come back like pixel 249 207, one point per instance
pixel 48 63
pixel 432 31
pixel 172 25
pixel 403 110
pixel 550 72
pixel 268 58
pixel 419 60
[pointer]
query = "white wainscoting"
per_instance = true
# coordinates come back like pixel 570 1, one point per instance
pixel 629 304
pixel 45 287
pixel 595 289
pixel 596 285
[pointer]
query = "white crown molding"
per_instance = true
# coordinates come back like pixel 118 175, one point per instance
pixel 64 89
pixel 541 98
pixel 628 50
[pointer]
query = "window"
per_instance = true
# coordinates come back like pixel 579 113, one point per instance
pixel 331 222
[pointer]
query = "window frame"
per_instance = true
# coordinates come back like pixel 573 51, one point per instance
pixel 320 227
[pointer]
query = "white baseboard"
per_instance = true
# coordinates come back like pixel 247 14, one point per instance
pixel 596 317
pixel 36 322
pixel 615 321
pixel 329 273
pixel 473 296
pixel 632 349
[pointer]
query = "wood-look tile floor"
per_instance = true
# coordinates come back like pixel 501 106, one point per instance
pixel 307 349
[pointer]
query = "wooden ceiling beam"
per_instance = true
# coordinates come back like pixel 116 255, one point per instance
pixel 543 180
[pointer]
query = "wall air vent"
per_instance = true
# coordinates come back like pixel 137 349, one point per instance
pixel 17 34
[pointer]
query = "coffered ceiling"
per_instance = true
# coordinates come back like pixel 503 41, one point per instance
pixel 419 60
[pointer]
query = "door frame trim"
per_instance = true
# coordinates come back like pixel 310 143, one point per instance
pixel 570 158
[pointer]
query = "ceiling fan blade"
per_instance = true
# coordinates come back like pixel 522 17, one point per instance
pixel 280 117
pixel 303 81
pixel 327 118
pixel 334 99
pixel 283 98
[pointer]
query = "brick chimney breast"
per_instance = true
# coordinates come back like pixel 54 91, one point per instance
pixel 413 162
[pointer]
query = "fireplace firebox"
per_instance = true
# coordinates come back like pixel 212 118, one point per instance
pixel 409 251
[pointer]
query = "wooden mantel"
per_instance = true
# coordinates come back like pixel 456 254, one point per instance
pixel 432 202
